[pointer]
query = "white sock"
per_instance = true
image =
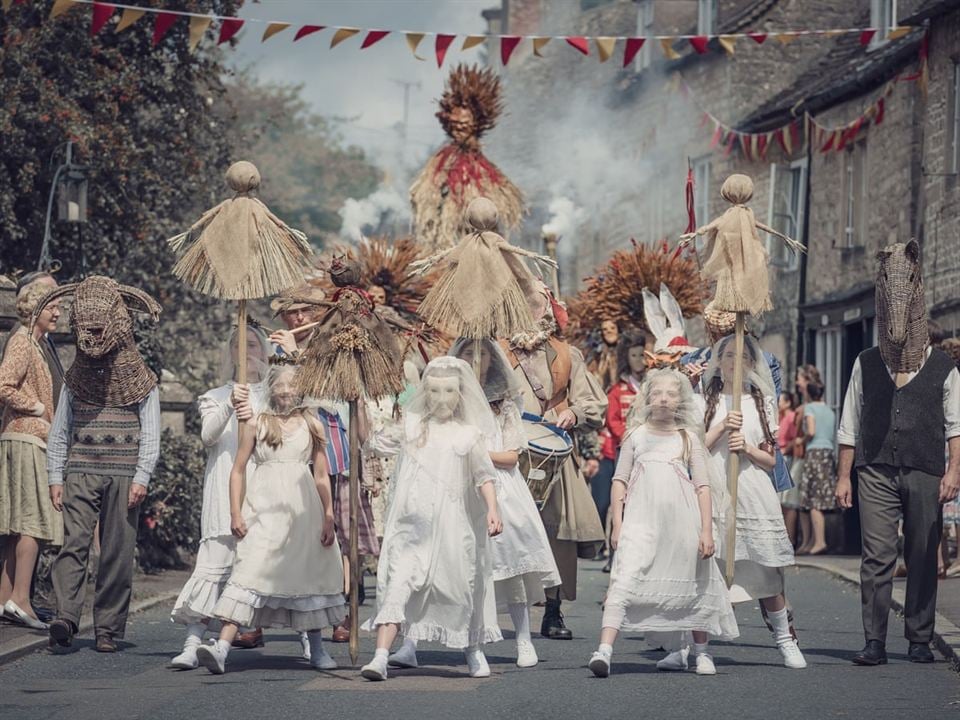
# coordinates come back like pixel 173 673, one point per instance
pixel 224 647
pixel 521 620
pixel 382 653
pixel 195 634
pixel 700 648
pixel 316 643
pixel 781 625
pixel 605 649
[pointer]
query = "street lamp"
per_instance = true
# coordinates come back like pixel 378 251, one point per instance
pixel 69 186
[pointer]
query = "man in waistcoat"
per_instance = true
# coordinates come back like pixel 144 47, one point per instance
pixel 102 449
pixel 901 410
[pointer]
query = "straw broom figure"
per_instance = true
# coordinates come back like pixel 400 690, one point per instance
pixel 737 261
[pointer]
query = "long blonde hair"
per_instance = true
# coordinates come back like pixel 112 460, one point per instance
pixel 270 431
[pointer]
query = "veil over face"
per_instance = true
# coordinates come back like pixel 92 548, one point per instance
pixel 686 415
pixel 496 376
pixel 258 356
pixel 756 371
pixel 472 407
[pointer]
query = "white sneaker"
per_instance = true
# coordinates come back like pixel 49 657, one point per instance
pixel 526 654
pixel 187 660
pixel 477 664
pixel 304 646
pixel 405 657
pixel 599 664
pixel 213 657
pixel 675 661
pixel 705 665
pixel 376 669
pixel 792 657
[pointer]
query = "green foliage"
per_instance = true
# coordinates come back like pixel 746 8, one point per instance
pixel 170 518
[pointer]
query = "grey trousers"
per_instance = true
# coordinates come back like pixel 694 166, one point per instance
pixel 886 494
pixel 87 499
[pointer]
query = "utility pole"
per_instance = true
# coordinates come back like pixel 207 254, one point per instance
pixel 406 85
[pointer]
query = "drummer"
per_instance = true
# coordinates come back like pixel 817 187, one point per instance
pixel 557 386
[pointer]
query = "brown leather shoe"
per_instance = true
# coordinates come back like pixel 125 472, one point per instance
pixel 61 633
pixel 249 640
pixel 106 644
pixel 341 633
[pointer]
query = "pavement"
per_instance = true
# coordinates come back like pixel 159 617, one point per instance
pixel 273 682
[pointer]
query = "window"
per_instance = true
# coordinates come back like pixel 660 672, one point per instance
pixel 645 29
pixel 953 123
pixel 789 183
pixel 854 173
pixel 883 17
pixel 706 17
pixel 829 361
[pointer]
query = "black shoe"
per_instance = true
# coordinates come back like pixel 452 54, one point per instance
pixel 552 626
pixel 609 566
pixel 873 653
pixel 361 589
pixel 62 632
pixel 920 653
pixel 106 644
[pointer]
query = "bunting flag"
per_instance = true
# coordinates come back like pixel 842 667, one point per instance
pixel 102 12
pixel 579 43
pixel 700 43
pixel 508 43
pixel 198 27
pixel 866 36
pixel 6 4
pixel 307 30
pixel 162 23
pixel 785 38
pixel 229 28
pixel 60 7
pixel 441 46
pixel 129 17
pixel 633 46
pixel 272 29
pixel 605 46
pixel 898 33
pixel 471 41
pixel 413 41
pixel 538 44
pixel 758 38
pixel 727 42
pixel 342 34
pixel 373 37
pixel 668 51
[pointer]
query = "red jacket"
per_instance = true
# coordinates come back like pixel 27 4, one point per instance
pixel 619 400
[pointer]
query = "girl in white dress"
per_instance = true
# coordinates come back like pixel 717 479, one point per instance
pixel 663 579
pixel 220 409
pixel 763 547
pixel 523 564
pixel 287 571
pixel 434 579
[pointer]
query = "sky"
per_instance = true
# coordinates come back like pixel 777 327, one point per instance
pixel 363 86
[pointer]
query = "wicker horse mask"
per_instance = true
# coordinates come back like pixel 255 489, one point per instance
pixel 901 313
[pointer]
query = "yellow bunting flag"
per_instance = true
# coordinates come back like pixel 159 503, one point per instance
pixel 6 4
pixel 198 26
pixel 342 34
pixel 605 46
pixel 272 29
pixel 898 32
pixel 129 17
pixel 413 41
pixel 538 44
pixel 471 41
pixel 786 38
pixel 668 51
pixel 727 43
pixel 61 6
pixel 833 33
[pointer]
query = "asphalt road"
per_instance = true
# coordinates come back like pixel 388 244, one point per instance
pixel 274 683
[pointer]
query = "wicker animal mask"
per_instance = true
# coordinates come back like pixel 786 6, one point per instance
pixel 901 312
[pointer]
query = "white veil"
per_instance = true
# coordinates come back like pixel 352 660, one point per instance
pixel 687 417
pixel 758 376
pixel 256 366
pixel 277 374
pixel 497 378
pixel 473 409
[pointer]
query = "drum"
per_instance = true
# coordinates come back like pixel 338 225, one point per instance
pixel 548 447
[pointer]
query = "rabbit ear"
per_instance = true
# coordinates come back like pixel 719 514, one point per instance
pixel 653 313
pixel 672 308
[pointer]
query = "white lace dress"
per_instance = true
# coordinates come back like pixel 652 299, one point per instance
pixel 523 564
pixel 659 583
pixel 763 546
pixel 434 577
pixel 283 576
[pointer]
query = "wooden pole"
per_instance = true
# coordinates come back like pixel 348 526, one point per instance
pixel 733 462
pixel 242 342
pixel 354 554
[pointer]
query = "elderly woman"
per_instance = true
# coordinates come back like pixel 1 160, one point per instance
pixel 27 517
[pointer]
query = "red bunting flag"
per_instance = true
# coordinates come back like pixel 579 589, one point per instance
pixel 441 47
pixel 580 44
pixel 700 43
pixel 691 205
pixel 866 36
pixel 162 24
pixel 828 145
pixel 880 109
pixel 508 43
pixel 102 12
pixel 228 28
pixel 717 137
pixel 758 38
pixel 631 49
pixel 373 37
pixel 308 30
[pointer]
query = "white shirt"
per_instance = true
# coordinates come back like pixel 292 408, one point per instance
pixel 853 403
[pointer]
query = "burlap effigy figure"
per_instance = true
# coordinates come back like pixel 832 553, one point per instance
pixel 459 172
pixel 484 289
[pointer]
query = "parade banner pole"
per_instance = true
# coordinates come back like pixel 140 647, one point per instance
pixel 354 553
pixel 242 342
pixel 733 462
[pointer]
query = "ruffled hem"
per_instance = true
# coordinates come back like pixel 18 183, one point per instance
pixel 197 599
pixel 545 567
pixel 456 638
pixel 248 608
pixel 725 629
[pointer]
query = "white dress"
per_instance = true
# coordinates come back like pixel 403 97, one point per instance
pixel 215 555
pixel 523 564
pixel 434 577
pixel 283 576
pixel 659 583
pixel 763 546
